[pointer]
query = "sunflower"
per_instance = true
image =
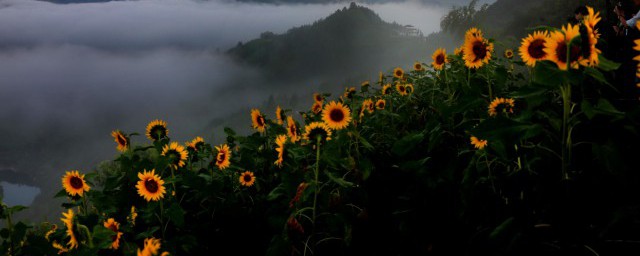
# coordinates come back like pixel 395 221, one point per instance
pixel 386 89
pixel 348 93
pixel 54 227
pixel 478 143
pixel 458 51
pixel 380 104
pixel 132 217
pixel 280 115
pixel 115 227
pixel 74 183
pixel 336 115
pixel 473 32
pixel 157 129
pixel 501 105
pixel 398 73
pixel 280 141
pixel 417 66
pixel 150 186
pixel 318 97
pixel 532 48
pixel 195 144
pixel 151 247
pixel 69 222
pixel 121 140
pixel 365 84
pixel 556 47
pixel 508 53
pixel 401 88
pixel 590 39
pixel 176 154
pixel 292 130
pixel 315 129
pixel 368 105
pixel 257 120
pixel 477 50
pixel 317 107
pixel 247 179
pixel 61 248
pixel 223 158
pixel 439 59
pixel 409 88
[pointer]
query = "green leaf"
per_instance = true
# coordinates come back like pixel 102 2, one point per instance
pixel 148 233
pixel 405 145
pixel 19 230
pixel 176 214
pixel 14 209
pixel 102 237
pixel 501 231
pixel 606 64
pixel 4 233
pixel 338 180
pixel 229 132
pixel 365 167
pixel 276 192
pixel 61 193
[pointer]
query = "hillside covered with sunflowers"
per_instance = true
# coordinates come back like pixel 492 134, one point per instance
pixel 530 151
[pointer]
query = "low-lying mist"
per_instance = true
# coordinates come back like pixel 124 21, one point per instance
pixel 70 74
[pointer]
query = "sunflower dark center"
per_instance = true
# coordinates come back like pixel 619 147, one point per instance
pixel 561 52
pixel 381 104
pixel 121 140
pixel 401 88
pixel 336 115
pixel 76 182
pixel 260 121
pixel 418 66
pixel 247 178
pixel 479 50
pixel 408 89
pixel 536 49
pixel 440 59
pixel 386 90
pixel 174 156
pixel 292 130
pixel 151 185
pixel 398 73
pixel 221 157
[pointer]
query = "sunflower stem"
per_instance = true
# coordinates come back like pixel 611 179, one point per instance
pixel 486 160
pixel 565 90
pixel 317 171
pixel 162 218
pixel 469 77
pixel 84 204
pixel 88 233
pixel 10 227
pixel 173 181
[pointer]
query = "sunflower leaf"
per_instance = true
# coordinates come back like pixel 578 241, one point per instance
pixel 61 193
pixel 102 237
pixel 607 65
pixel 338 180
pixel 176 215
pixel 405 145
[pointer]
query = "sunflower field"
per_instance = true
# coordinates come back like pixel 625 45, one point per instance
pixel 471 153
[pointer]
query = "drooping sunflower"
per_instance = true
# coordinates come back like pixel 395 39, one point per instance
pixel 532 48
pixel 401 88
pixel 318 97
pixel 478 143
pixel 257 120
pixel 477 50
pixel 150 186
pixel 365 84
pixel 501 105
pixel 53 229
pixel 115 227
pixel 195 144
pixel 386 89
pixel 223 158
pixel 409 88
pixel 151 247
pixel 280 141
pixel 417 66
pixel 73 182
pixel 70 224
pixel 439 59
pixel 380 104
pixel 368 105
pixel 398 73
pixel 590 35
pixel 315 129
pixel 121 140
pixel 279 115
pixel 317 107
pixel 508 53
pixel 292 130
pixel 176 153
pixel 336 115
pixel 157 129
pixel 349 92
pixel 557 45
pixel 247 179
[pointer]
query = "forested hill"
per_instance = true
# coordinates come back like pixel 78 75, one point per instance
pixel 349 41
